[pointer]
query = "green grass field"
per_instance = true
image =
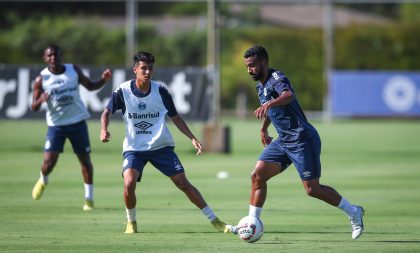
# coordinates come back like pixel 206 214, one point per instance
pixel 372 163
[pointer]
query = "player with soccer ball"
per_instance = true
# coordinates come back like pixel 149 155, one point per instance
pixel 298 142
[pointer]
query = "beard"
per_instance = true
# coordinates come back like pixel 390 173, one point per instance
pixel 255 77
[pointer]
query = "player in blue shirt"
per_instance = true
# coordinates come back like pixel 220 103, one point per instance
pixel 298 141
pixel 143 104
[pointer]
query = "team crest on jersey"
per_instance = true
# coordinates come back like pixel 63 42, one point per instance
pixel 265 92
pixel 142 106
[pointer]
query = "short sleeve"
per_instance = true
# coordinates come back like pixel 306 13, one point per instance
pixel 167 101
pixel 117 101
pixel 282 85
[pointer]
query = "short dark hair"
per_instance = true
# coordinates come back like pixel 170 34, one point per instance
pixel 144 57
pixel 53 47
pixel 259 51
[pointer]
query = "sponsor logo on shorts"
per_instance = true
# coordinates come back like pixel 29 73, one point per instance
pixel 125 163
pixel 47 144
pixel 177 165
pixel 306 174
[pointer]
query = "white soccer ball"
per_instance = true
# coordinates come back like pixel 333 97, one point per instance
pixel 222 175
pixel 250 229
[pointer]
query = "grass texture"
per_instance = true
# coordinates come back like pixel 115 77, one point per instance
pixel 373 163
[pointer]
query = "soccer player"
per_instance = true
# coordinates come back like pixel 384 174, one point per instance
pixel 144 103
pixel 58 86
pixel 298 142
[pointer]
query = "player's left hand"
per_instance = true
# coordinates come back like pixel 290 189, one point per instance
pixel 261 111
pixel 107 74
pixel 197 146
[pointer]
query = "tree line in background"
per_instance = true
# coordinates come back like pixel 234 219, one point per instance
pixel 297 52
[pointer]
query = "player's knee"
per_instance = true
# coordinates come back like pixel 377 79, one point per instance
pixel 256 177
pixel 312 191
pixel 130 186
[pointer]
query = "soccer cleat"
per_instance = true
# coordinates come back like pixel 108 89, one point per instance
pixel 356 222
pixel 88 206
pixel 38 189
pixel 131 227
pixel 218 224
pixel 231 229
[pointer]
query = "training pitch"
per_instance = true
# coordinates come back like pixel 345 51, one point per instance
pixel 373 163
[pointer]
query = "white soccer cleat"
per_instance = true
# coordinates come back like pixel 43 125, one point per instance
pixel 356 222
pixel 231 229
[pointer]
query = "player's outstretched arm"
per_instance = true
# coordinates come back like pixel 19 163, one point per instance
pixel 90 85
pixel 105 135
pixel 183 127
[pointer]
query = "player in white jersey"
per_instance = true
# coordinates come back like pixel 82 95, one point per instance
pixel 58 86
pixel 144 104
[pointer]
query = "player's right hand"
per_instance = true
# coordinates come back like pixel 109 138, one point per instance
pixel 45 96
pixel 267 141
pixel 265 138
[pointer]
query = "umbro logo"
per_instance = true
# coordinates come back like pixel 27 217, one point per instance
pixel 143 125
pixel 307 174
pixel 177 165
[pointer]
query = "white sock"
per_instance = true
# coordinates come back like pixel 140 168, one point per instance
pixel 348 208
pixel 89 191
pixel 254 211
pixel 209 213
pixel 44 179
pixel 131 214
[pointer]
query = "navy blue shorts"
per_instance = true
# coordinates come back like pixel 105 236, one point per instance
pixel 77 134
pixel 164 159
pixel 305 156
